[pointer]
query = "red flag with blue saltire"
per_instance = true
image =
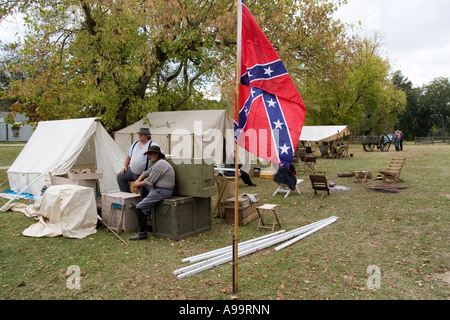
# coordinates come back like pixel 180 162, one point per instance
pixel 271 111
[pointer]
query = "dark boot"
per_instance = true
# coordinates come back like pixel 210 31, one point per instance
pixel 149 225
pixel 139 236
pixel 142 221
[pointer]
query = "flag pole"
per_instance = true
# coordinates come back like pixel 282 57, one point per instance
pixel 236 150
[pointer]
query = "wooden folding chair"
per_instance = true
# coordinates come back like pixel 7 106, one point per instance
pixel 309 162
pixel 393 171
pixel 225 190
pixel 319 182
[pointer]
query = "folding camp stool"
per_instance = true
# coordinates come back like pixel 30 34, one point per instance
pixel 117 207
pixel 268 208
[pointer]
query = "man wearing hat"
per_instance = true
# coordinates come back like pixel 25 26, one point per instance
pixel 159 180
pixel 135 162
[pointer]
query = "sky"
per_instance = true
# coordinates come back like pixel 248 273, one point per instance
pixel 415 34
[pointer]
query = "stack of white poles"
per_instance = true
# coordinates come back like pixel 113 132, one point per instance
pixel 217 257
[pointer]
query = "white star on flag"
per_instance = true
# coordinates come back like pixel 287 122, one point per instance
pixel 268 71
pixel 284 149
pixel 271 103
pixel 278 124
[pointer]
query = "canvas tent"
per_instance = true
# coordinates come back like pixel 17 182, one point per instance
pixel 323 133
pixel 58 146
pixel 185 134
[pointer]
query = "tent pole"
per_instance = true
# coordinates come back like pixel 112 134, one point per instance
pixel 107 227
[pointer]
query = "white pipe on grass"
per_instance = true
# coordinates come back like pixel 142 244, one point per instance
pixel 216 252
pixel 205 265
pixel 216 257
pixel 209 256
pixel 290 242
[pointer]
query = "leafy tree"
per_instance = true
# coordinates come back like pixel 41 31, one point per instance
pixel 121 59
pixel 361 94
pixel 428 108
pixel 305 35
pixel 7 57
pixel 118 60
pixel 415 120
pixel 436 99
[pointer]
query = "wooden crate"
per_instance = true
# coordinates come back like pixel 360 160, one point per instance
pixel 247 209
pixel 85 176
pixel 129 200
pixel 243 200
pixel 246 215
pixel 267 174
pixel 61 180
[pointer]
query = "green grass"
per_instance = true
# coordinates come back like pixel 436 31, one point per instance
pixel 405 235
pixel 9 154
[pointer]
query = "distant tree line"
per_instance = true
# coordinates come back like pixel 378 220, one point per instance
pixel 427 108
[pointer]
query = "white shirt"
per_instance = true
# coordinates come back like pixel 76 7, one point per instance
pixel 138 159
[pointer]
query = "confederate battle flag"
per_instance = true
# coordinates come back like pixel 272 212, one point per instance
pixel 271 110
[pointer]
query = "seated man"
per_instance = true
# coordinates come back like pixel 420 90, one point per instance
pixel 286 176
pixel 135 162
pixel 159 180
pixel 230 163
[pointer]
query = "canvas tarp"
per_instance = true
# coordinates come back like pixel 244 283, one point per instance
pixel 185 134
pixel 323 133
pixel 58 146
pixel 66 210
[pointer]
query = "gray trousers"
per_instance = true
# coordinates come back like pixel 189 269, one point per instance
pixel 155 195
pixel 124 180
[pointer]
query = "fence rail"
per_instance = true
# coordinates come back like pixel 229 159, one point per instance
pixel 431 140
pixel 356 139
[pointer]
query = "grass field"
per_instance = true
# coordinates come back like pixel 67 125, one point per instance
pixel 404 236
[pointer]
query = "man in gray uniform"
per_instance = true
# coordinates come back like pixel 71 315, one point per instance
pixel 159 180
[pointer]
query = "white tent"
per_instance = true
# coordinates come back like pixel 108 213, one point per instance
pixel 58 146
pixel 323 133
pixel 185 134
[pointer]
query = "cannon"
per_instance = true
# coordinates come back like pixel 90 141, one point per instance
pixel 382 143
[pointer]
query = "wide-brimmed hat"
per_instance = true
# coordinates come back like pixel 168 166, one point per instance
pixel 155 149
pixel 145 131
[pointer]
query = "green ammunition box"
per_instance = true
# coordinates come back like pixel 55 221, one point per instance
pixel 178 217
pixel 194 177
